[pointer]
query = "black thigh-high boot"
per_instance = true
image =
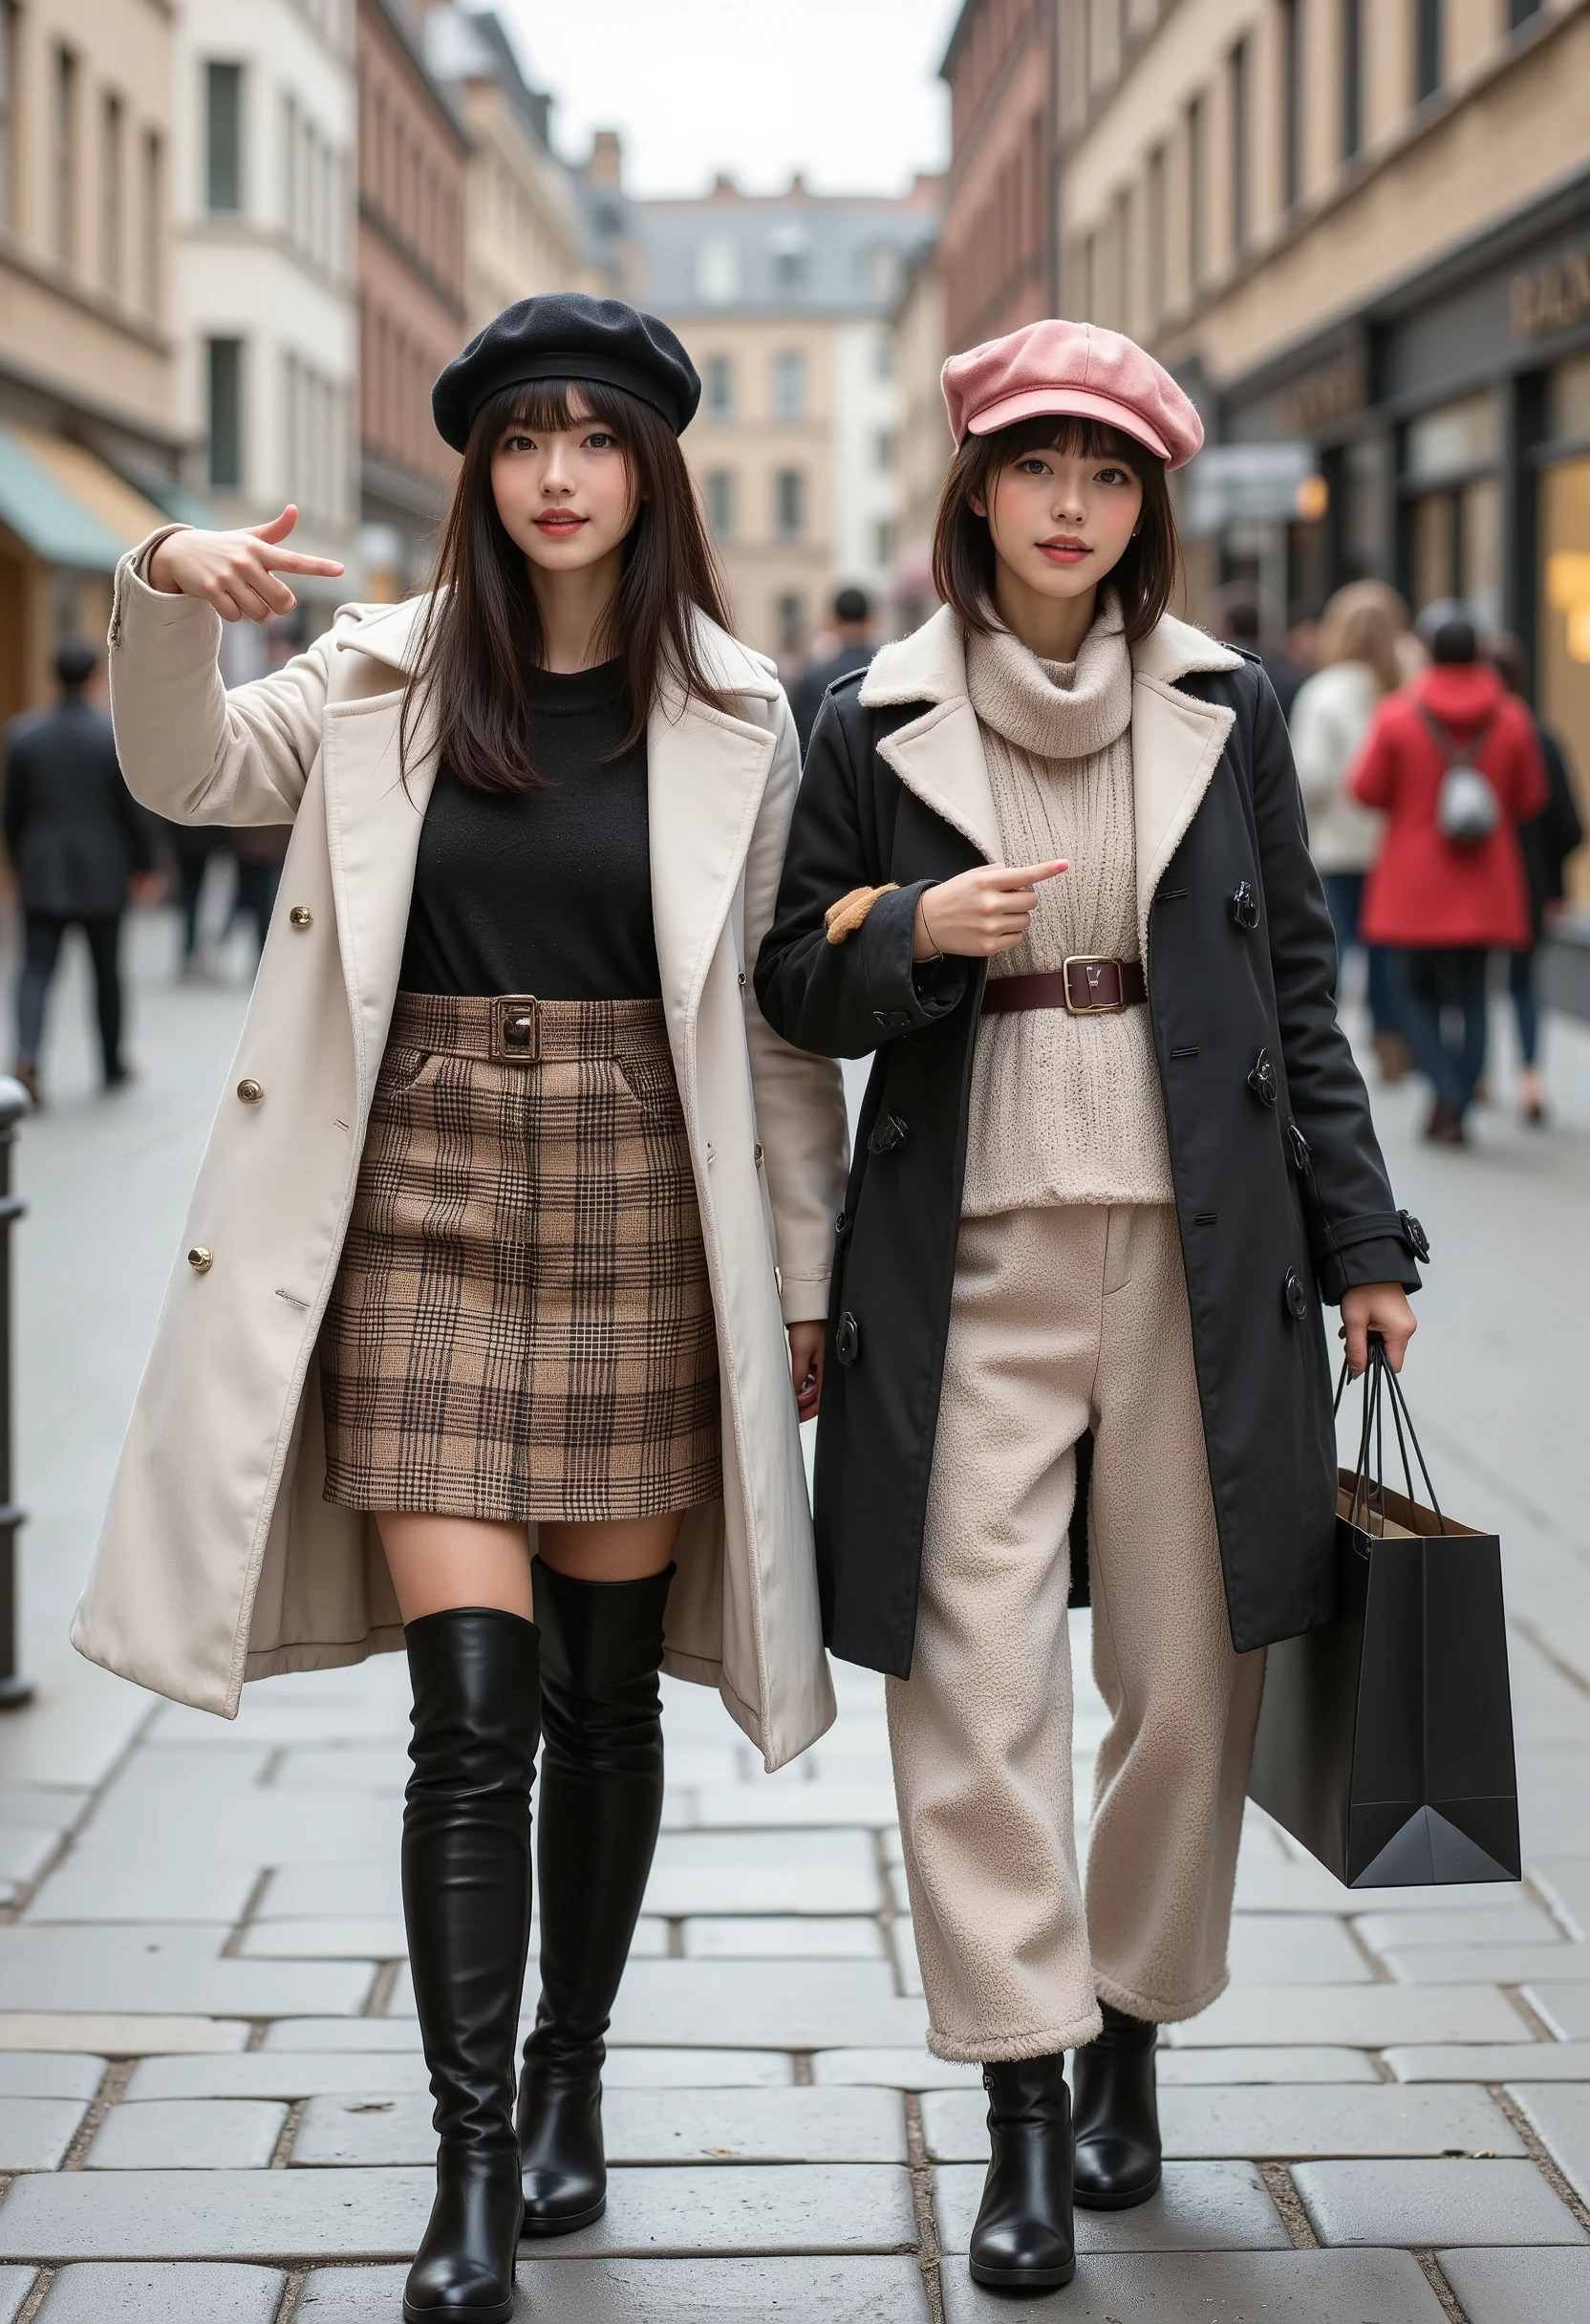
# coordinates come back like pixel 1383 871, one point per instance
pixel 1117 2115
pixel 466 1903
pixel 1023 2239
pixel 601 1805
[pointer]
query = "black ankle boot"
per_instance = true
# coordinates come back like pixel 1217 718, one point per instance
pixel 1023 2239
pixel 1117 2115
pixel 601 1804
pixel 466 1903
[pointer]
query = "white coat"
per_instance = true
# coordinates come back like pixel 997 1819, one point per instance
pixel 220 1560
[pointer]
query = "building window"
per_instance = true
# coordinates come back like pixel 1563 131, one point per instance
pixel 790 614
pixel 886 451
pixel 110 197
pixel 1197 190
pixel 1352 78
pixel 8 111
pixel 886 541
pixel 225 392
pixel 790 504
pixel 791 257
pixel 789 384
pixel 1427 49
pixel 718 270
pixel 1158 225
pixel 1292 102
pixel 883 355
pixel 152 222
pixel 223 140
pixel 719 387
pixel 64 159
pixel 720 504
pixel 1238 70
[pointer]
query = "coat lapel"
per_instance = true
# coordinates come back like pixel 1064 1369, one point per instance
pixel 1176 742
pixel 939 756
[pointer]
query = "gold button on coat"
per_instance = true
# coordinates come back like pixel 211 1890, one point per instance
pixel 250 1091
pixel 756 1155
pixel 201 1258
pixel 301 917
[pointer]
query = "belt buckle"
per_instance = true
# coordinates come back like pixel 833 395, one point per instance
pixel 1097 1008
pixel 516 1029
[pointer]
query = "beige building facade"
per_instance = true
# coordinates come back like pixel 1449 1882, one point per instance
pixel 87 431
pixel 1359 231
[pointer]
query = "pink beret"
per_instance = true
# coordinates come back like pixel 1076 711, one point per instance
pixel 1074 369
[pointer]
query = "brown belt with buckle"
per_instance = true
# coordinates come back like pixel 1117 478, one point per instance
pixel 1086 987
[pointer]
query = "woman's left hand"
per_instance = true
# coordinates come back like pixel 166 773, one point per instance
pixel 1376 1307
pixel 806 1366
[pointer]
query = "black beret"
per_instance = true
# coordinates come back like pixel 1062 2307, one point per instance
pixel 567 335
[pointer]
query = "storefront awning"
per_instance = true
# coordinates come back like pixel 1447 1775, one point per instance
pixel 66 505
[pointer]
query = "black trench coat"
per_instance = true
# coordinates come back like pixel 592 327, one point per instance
pixel 1282 1192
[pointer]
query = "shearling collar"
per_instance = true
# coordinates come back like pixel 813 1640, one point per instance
pixel 395 633
pixel 930 665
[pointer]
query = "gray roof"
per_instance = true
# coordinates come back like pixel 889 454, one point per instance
pixel 731 254
pixel 474 45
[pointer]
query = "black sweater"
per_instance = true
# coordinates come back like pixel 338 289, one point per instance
pixel 545 891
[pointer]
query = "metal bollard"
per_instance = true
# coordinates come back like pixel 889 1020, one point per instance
pixel 14 1691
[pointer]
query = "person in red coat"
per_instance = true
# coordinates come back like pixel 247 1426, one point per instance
pixel 1443 902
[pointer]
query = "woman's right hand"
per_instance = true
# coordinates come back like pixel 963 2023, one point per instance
pixel 979 913
pixel 236 572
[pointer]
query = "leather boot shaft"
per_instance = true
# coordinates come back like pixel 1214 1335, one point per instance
pixel 601 1808
pixel 1025 2238
pixel 1116 2114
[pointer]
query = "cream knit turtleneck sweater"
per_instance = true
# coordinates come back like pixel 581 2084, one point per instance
pixel 1063 1108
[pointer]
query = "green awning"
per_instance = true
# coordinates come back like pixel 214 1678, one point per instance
pixel 42 513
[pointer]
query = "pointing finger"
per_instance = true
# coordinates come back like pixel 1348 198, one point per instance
pixel 290 560
pixel 278 528
pixel 1029 875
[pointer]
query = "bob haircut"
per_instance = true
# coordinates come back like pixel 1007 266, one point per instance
pixel 483 644
pixel 963 555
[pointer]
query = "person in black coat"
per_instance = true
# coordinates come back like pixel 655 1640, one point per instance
pixel 1547 841
pixel 1049 864
pixel 77 843
pixel 853 630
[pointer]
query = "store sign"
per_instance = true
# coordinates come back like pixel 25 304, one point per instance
pixel 1324 395
pixel 1233 483
pixel 1553 298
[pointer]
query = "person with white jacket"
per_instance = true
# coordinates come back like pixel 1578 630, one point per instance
pixel 1362 641
pixel 479 1346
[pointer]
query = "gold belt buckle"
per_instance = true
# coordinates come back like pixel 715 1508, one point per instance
pixel 1092 968
pixel 516 1029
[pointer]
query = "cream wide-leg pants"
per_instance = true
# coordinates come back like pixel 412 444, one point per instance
pixel 1066 1319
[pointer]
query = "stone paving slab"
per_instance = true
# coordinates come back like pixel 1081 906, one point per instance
pixel 298 1892
pixel 238 2215
pixel 163 1967
pixel 122 2035
pixel 1559 2115
pixel 1531 2061
pixel 187 2135
pixel 1230 2288
pixel 255 1827
pixel 1498 1964
pixel 326 1939
pixel 1563 2007
pixel 784 1937
pixel 806 1806
pixel 1520 1922
pixel 1200 2207
pixel 16 2284
pixel 859 2290
pixel 1297 1949
pixel 1539 2286
pixel 745 2005
pixel 1566 1881
pixel 914 2069
pixel 1360 2016
pixel 640 2127
pixel 1180 2069
pixel 681 1889
pixel 43 2074
pixel 96 2291
pixel 153 1891
pixel 1424 2204
pixel 279 2073
pixel 696 2211
pixel 36 2133
pixel 1314 2120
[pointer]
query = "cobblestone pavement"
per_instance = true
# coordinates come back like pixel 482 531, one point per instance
pixel 211 2097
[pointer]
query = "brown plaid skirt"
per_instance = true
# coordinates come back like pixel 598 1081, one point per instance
pixel 521 1323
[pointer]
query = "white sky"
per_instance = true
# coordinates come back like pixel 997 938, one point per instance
pixel 846 90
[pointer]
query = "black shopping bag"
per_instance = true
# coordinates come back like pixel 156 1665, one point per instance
pixel 1386 1740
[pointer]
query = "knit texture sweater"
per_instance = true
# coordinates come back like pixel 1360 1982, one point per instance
pixel 1063 1108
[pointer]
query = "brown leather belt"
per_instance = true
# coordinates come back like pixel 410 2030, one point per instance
pixel 1086 987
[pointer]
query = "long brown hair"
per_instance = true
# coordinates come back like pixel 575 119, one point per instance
pixel 1362 622
pixel 482 642
pixel 963 553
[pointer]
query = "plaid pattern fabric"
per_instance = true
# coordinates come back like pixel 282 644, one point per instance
pixel 521 1323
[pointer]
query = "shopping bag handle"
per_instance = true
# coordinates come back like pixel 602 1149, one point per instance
pixel 1378 1374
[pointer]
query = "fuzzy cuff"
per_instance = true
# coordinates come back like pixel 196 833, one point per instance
pixel 844 918
pixel 1154 2012
pixel 996 2048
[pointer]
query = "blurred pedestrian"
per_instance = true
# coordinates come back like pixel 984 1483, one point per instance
pixel 853 649
pixel 1358 666
pixel 260 851
pixel 192 846
pixel 1453 762
pixel 1547 841
pixel 1304 634
pixel 1236 620
pixel 79 845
